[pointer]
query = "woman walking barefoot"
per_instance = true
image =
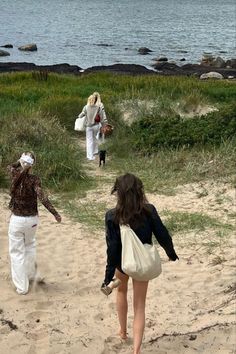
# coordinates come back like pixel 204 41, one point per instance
pixel 132 209
pixel 25 190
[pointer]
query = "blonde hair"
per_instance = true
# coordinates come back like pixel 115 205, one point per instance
pixel 94 99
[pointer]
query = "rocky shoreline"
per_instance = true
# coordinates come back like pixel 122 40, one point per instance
pixel 160 68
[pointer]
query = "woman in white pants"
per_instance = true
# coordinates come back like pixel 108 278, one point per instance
pixel 95 119
pixel 25 190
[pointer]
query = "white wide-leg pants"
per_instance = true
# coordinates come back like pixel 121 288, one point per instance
pixel 92 141
pixel 22 250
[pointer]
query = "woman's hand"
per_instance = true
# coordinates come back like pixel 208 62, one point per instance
pixel 58 218
pixel 173 256
pixel 105 289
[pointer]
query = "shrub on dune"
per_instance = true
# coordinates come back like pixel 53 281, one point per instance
pixel 59 160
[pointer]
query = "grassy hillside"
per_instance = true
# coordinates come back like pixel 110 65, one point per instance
pixel 159 131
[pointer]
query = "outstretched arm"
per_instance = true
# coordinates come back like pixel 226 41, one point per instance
pixel 113 250
pixel 162 235
pixel 45 201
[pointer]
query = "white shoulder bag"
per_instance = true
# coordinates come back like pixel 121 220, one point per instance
pixel 80 124
pixel 140 261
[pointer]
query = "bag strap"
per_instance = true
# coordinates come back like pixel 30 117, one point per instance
pixel 96 113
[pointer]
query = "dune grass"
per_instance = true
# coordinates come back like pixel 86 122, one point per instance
pixel 39 115
pixel 177 221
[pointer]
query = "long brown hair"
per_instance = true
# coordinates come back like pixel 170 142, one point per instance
pixel 131 200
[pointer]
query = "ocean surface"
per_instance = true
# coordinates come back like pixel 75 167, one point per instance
pixel 104 32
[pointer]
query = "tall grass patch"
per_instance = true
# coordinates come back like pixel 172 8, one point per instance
pixel 58 158
pixel 165 169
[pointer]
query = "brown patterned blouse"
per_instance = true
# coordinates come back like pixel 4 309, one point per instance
pixel 25 190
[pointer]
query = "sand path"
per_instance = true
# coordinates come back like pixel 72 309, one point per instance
pixel 190 307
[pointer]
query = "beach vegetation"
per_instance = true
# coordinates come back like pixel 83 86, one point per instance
pixel 151 138
pixel 178 221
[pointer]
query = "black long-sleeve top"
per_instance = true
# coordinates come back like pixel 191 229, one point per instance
pixel 151 224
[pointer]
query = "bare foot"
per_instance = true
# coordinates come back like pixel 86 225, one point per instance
pixel 123 335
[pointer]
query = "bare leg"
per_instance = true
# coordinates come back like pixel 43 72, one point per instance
pixel 122 303
pixel 139 299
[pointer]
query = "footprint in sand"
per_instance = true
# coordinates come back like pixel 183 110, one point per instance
pixel 99 317
pixel 112 306
pixel 43 305
pixel 114 344
pixel 35 315
pixel 86 291
pixel 37 334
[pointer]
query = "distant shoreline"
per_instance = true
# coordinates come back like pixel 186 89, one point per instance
pixel 164 68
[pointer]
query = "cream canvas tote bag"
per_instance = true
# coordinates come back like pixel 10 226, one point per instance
pixel 140 261
pixel 80 124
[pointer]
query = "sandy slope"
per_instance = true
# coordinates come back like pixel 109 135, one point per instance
pixel 190 307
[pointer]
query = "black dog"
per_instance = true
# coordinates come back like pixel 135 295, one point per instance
pixel 102 157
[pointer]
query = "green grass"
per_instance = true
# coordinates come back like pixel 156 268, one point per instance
pixel 58 159
pixel 89 214
pixel 177 221
pixel 164 170
pixel 39 115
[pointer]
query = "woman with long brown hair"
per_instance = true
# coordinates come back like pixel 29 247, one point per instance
pixel 132 209
pixel 25 190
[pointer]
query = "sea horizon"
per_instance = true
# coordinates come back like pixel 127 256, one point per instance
pixel 104 32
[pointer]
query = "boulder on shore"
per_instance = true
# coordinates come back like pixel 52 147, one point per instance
pixel 162 68
pixel 218 63
pixel 132 69
pixel 211 75
pixel 56 68
pixel 28 47
pixel 231 63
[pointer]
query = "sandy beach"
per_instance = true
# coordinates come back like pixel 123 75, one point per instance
pixel 190 307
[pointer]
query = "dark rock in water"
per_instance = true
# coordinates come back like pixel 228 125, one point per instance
pixel 104 45
pixel 4 53
pixel 182 59
pixel 7 46
pixel 28 47
pixel 144 50
pixel 162 59
pixel 121 69
pixel 57 68
pixel 182 51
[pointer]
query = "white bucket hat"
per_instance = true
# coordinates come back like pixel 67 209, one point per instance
pixel 26 160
